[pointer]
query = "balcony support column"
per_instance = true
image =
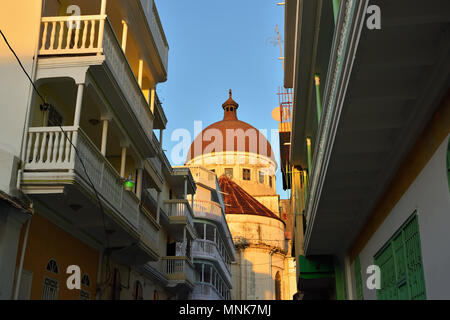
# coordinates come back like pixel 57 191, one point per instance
pixel 158 207
pixel 123 162
pixel 204 231
pixel 185 188
pixel 152 100
pixel 161 134
pixel 141 72
pixel 139 178
pixel 215 235
pixel 309 152
pixel 318 97
pixel 104 136
pixel 78 105
pixel 102 26
pixel 124 35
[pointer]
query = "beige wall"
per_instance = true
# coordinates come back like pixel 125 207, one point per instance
pixel 260 255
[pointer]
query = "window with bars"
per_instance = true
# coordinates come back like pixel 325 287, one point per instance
pixel 400 261
pixel 358 280
pixel 50 290
pixel 246 174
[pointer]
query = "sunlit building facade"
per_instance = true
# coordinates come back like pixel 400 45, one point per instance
pixel 85 181
pixel 369 147
pixel 243 160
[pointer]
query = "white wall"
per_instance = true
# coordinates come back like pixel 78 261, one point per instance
pixel 430 196
pixel 19 21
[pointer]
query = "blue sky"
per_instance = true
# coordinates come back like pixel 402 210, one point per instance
pixel 214 46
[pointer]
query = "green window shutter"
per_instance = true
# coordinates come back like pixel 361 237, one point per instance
pixel 400 261
pixel 358 280
pixel 339 274
pixel 414 264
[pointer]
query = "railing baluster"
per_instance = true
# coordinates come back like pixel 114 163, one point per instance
pixel 61 36
pixel 50 147
pixel 77 34
pixel 52 36
pixel 36 148
pixel 92 39
pixel 44 36
pixel 30 142
pixel 68 146
pixel 69 38
pixel 83 41
pixel 61 148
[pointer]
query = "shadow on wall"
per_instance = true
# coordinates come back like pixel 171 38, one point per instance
pixel 250 282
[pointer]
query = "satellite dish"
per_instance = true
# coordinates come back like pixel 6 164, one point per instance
pixel 276 114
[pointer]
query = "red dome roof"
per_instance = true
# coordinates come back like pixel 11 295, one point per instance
pixel 234 135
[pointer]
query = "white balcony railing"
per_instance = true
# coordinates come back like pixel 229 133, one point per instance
pixel 205 291
pixel 178 268
pixel 209 210
pixel 149 233
pixel 203 176
pixel 179 208
pixel 49 150
pixel 206 248
pixel 69 35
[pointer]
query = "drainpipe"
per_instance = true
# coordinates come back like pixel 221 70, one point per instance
pixel 22 258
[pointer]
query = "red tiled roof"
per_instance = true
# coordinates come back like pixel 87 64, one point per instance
pixel 238 201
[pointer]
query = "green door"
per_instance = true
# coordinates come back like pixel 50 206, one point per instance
pixel 400 261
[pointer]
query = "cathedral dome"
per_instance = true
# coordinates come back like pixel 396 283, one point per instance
pixel 234 135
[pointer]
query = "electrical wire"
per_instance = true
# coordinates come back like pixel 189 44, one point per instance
pixel 45 104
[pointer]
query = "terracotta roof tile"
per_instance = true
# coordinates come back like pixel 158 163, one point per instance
pixel 238 201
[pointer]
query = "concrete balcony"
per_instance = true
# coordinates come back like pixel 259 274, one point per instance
pixel 204 177
pixel 179 271
pixel 92 45
pixel 179 216
pixel 205 291
pixel 212 211
pixel 208 250
pixel 61 168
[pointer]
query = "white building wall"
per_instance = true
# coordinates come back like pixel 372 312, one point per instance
pixel 429 194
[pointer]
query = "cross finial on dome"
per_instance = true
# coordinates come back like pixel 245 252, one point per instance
pixel 231 94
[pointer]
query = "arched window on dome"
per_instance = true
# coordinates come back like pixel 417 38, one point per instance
pixel 278 286
pixel 246 174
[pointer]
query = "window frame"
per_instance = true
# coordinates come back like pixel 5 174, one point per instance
pixel 401 261
pixel 246 173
